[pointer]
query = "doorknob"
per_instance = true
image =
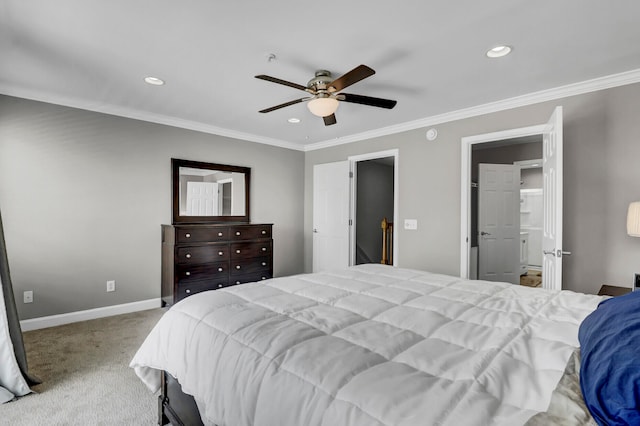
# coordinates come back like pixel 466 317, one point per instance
pixel 484 233
pixel 557 253
pixel 315 231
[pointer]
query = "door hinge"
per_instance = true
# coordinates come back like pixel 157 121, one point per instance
pixel 350 222
pixel 351 175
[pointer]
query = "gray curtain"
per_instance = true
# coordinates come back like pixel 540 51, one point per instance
pixel 12 312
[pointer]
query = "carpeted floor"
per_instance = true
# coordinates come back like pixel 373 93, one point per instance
pixel 86 379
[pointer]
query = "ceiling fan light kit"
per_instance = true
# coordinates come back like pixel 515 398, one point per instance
pixel 323 107
pixel 325 99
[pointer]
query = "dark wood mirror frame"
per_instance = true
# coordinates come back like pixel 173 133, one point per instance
pixel 176 164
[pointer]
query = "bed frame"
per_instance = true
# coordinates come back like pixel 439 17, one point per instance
pixel 175 406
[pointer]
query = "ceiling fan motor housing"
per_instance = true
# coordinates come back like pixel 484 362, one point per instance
pixel 320 83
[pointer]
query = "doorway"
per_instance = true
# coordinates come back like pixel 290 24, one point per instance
pixel 506 216
pixel 552 252
pixel 341 200
pixel 374 189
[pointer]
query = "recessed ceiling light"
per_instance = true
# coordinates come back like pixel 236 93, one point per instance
pixel 293 120
pixel 499 51
pixel 154 81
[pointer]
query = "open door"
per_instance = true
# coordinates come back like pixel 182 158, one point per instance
pixel 499 223
pixel 331 216
pixel 552 204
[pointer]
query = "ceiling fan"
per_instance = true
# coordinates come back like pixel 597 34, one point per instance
pixel 324 90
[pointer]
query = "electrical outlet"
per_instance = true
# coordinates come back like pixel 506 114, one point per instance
pixel 111 285
pixel 28 296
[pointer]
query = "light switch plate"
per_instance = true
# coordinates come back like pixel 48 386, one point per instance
pixel 411 224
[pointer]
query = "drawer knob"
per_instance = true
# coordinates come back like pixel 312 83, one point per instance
pixel 219 285
pixel 188 256
pixel 264 278
pixel 220 253
pixel 238 233
pixel 187 235
pixel 187 273
pixel 238 251
pixel 219 269
pixel 264 249
pixel 264 232
pixel 264 263
pixel 219 234
pixel 237 282
pixel 188 291
pixel 237 266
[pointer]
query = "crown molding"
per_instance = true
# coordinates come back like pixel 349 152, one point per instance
pixel 143 116
pixel 593 85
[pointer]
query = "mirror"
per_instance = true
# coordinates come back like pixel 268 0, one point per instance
pixel 209 193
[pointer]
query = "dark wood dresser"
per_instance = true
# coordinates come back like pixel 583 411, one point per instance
pixel 196 258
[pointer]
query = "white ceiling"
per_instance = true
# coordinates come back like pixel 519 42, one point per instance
pixel 428 55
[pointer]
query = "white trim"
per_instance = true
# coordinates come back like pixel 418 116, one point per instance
pixel 593 85
pixel 465 182
pixel 529 164
pixel 395 153
pixel 166 120
pixel 107 311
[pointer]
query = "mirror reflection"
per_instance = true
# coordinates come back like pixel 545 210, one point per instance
pixel 209 193
pixel 206 192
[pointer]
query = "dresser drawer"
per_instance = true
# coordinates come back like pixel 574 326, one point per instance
pixel 185 290
pixel 249 278
pixel 252 249
pixel 190 255
pixel 212 271
pixel 196 234
pixel 250 266
pixel 249 232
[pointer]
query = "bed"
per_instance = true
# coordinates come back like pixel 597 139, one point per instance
pixel 369 345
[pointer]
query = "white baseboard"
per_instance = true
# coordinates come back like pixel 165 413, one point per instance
pixel 89 314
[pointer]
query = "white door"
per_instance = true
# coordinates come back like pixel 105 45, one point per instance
pixel 499 223
pixel 330 216
pixel 552 202
pixel 202 199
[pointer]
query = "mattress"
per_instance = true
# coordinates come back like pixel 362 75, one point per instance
pixel 369 345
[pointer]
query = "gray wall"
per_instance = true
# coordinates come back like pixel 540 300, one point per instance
pixel 504 154
pixel 601 177
pixel 83 195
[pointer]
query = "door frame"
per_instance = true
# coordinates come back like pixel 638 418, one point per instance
pixel 353 160
pixel 465 182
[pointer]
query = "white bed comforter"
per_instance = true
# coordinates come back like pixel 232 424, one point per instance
pixel 371 345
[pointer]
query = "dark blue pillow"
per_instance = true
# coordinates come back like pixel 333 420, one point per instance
pixel 610 361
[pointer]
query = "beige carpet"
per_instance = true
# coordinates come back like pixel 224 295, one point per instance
pixel 86 379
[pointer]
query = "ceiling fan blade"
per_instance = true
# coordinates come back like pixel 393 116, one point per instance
pixel 367 100
pixel 329 120
pixel 286 104
pixel 355 75
pixel 284 82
